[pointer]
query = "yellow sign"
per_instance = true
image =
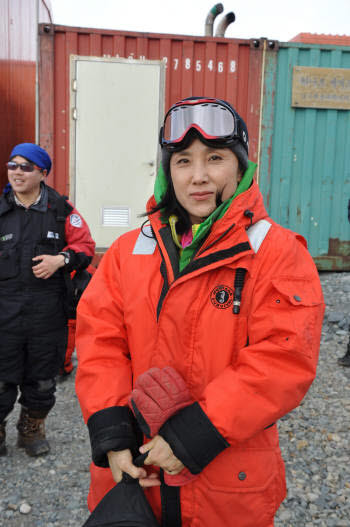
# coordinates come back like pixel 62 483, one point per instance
pixel 321 88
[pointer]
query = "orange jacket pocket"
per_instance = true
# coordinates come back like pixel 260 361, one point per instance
pixel 241 470
pixel 245 485
pixel 296 312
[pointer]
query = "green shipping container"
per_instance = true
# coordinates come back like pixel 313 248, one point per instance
pixel 304 158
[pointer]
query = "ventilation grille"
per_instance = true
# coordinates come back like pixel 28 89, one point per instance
pixel 115 216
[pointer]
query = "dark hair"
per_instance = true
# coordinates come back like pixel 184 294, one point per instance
pixel 169 205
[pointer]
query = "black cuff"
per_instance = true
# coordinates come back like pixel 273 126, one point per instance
pixel 78 260
pixel 193 438
pixel 111 429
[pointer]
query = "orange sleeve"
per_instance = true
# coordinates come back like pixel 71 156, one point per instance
pixel 273 372
pixel 104 373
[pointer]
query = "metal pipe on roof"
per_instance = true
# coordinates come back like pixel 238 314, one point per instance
pixel 225 22
pixel 209 21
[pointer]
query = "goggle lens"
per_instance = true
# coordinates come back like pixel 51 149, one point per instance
pixel 213 120
pixel 25 167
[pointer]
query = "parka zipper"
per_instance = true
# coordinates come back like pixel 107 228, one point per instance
pixel 195 264
pixel 201 249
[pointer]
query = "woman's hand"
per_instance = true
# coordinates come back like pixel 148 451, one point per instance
pixel 161 455
pixel 121 461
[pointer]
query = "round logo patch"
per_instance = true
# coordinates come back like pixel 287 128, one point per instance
pixel 222 297
pixel 75 220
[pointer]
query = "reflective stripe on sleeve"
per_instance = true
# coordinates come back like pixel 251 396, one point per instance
pixel 145 243
pixel 257 234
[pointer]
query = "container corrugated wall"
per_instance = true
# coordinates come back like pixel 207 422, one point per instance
pixel 305 156
pixel 220 67
pixel 18 37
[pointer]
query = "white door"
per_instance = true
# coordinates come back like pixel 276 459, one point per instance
pixel 117 108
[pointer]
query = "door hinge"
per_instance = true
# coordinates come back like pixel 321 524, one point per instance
pixel 74 114
pixel 74 84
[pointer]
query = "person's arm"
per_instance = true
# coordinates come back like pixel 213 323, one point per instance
pixel 270 375
pixel 80 246
pixel 104 373
pixel 78 252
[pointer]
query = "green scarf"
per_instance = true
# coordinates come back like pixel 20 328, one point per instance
pixel 188 252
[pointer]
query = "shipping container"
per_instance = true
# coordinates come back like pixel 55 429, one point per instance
pixel 18 56
pixel 103 94
pixel 305 146
pixel 316 38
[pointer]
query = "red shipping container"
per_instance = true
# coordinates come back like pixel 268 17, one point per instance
pixel 18 55
pixel 322 39
pixel 230 69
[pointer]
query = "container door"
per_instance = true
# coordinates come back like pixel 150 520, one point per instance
pixel 305 147
pixel 117 108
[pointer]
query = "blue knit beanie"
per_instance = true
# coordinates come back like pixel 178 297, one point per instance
pixel 33 153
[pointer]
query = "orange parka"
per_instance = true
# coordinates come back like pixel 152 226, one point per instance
pixel 245 370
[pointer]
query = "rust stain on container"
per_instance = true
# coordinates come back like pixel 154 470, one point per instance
pixel 338 257
pixel 339 247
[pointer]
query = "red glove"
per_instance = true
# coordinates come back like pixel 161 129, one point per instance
pixel 157 395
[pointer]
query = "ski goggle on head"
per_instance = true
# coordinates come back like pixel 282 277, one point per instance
pixel 214 119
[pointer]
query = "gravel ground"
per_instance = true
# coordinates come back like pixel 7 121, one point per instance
pixel 51 491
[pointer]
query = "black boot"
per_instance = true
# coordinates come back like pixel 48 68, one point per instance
pixel 345 361
pixel 3 449
pixel 31 432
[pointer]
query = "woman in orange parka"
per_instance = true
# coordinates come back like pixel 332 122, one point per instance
pixel 216 292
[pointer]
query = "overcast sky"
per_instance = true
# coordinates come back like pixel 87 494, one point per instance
pixel 273 19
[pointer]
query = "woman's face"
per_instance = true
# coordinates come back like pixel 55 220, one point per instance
pixel 203 176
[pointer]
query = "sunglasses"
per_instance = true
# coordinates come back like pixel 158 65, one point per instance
pixel 25 167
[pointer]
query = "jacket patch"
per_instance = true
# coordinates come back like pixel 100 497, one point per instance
pixel 75 220
pixel 6 237
pixel 222 296
pixel 145 243
pixel 54 235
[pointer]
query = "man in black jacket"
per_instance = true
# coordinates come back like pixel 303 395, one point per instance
pixel 42 237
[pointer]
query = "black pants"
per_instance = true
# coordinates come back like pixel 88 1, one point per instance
pixel 31 364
